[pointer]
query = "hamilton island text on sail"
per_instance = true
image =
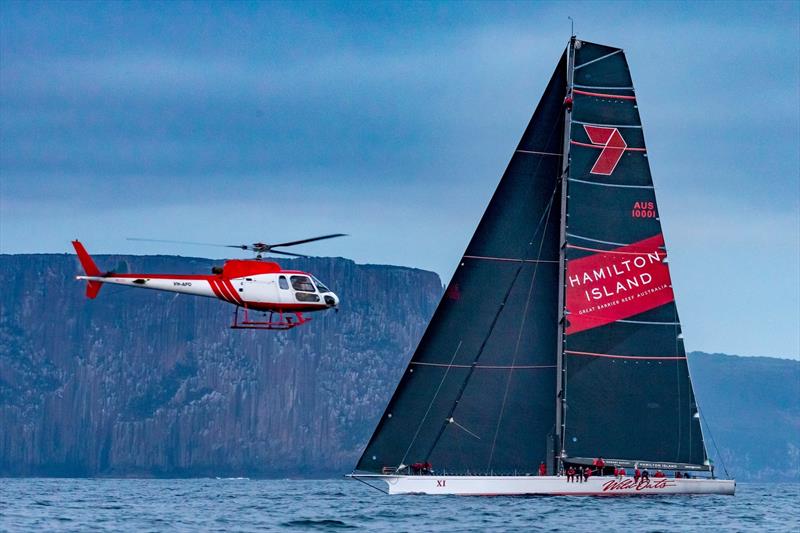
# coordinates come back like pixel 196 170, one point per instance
pixel 609 276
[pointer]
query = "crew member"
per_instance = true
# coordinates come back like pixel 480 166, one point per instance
pixel 570 474
pixel 587 473
pixel 600 464
pixel 542 469
pixel 659 473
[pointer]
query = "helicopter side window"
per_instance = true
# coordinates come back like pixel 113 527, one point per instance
pixel 302 283
pixel 282 283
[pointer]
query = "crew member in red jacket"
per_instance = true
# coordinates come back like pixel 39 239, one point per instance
pixel 571 474
pixel 599 464
pixel 637 474
pixel 542 469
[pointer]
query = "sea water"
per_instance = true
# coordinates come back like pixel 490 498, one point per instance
pixel 332 505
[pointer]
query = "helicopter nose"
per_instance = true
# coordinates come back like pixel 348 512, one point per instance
pixel 331 300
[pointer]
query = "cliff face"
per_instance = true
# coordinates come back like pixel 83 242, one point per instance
pixel 139 382
pixel 145 383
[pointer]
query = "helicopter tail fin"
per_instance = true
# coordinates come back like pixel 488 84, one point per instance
pixel 93 287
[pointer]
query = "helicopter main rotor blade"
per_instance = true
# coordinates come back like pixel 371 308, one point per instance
pixel 285 253
pixel 312 239
pixel 241 246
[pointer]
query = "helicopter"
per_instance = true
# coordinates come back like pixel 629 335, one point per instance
pixel 253 285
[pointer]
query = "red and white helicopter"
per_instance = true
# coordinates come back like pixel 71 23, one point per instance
pixel 254 285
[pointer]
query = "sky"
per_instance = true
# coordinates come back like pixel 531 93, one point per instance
pixel 393 122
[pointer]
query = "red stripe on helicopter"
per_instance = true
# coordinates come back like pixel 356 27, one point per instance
pixel 232 290
pixel 212 283
pixel 223 285
pixel 223 292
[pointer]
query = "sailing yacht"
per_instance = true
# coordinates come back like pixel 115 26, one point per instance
pixel 557 340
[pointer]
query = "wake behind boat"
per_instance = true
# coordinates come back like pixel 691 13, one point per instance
pixel 558 339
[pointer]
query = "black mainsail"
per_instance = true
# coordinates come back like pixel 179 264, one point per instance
pixel 557 338
pixel 628 394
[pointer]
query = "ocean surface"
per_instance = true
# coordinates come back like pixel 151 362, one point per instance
pixel 334 505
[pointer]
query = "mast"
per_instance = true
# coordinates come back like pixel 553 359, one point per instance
pixel 562 265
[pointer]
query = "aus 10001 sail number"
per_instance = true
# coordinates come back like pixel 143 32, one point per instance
pixel 644 210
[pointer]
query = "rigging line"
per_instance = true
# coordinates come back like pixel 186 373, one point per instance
pixel 453 421
pixel 537 153
pixel 611 184
pixel 596 60
pixel 430 405
pixel 521 328
pixel 599 241
pixel 597 87
pixel 635 126
pixel 353 476
pixel 510 259
pixel 603 146
pixel 714 442
pixel 615 356
pixel 489 367
pixel 659 252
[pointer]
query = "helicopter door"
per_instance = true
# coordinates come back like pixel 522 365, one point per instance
pixel 285 295
pixel 259 290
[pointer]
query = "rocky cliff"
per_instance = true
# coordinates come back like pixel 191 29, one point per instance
pixel 142 383
pixel 146 383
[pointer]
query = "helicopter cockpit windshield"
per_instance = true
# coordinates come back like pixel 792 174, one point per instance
pixel 320 286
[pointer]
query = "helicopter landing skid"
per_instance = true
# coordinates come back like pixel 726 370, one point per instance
pixel 282 322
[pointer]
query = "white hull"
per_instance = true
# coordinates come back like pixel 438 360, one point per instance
pixel 546 485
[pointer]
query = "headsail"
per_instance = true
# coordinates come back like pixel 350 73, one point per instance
pixel 628 392
pixel 478 393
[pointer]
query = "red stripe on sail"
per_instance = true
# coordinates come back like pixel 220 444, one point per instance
pixel 617 284
pixel 603 95
pixel 614 356
pixel 629 149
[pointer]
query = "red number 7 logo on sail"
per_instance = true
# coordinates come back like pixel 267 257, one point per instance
pixel 613 147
